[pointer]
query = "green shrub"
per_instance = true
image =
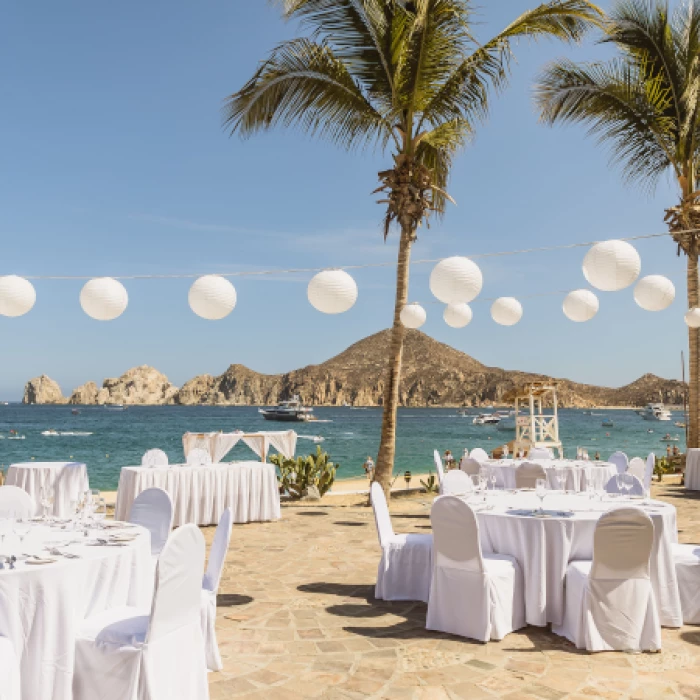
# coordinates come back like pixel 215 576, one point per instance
pixel 296 475
pixel 431 485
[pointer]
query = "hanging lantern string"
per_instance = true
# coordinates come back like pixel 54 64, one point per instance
pixel 558 293
pixel 306 270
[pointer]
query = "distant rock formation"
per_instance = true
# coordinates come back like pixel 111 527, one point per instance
pixel 85 394
pixel 43 389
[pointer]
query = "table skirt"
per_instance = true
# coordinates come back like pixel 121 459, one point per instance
pixel 578 474
pixel 692 469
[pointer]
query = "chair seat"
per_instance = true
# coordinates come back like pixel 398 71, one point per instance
pixel 405 568
pixel 411 540
pixel 118 627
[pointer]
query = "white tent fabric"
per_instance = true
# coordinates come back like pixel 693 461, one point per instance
pixel 210 587
pixel 127 654
pixel 527 474
pixel 636 490
pixel 438 467
pixel 470 466
pixel 154 458
pixel 479 455
pixel 218 445
pixel 620 460
pixel 405 568
pixel 9 671
pixel 15 503
pixel 687 560
pixel 638 467
pixel 472 594
pixel 540 453
pixel 610 602
pixel 456 482
pixel 153 510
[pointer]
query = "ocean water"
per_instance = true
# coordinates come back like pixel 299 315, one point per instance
pixel 119 438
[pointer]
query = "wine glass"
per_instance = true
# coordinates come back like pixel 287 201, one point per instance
pixel 46 498
pixel 493 478
pixel 100 512
pixel 627 483
pixel 21 529
pixel 590 490
pixel 541 492
pixel 561 478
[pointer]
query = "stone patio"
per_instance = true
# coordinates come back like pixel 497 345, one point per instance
pixel 297 619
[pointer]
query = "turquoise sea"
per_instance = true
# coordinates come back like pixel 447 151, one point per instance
pixel 119 438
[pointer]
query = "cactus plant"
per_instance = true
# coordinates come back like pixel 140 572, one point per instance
pixel 296 475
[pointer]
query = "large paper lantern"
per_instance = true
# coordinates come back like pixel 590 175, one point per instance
pixel 413 315
pixel 332 291
pixel 17 295
pixel 611 265
pixel 212 297
pixel 456 280
pixel 104 298
pixel 654 293
pixel 506 311
pixel 457 315
pixel 692 317
pixel 581 305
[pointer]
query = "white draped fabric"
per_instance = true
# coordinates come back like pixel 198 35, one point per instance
pixel 687 558
pixel 68 480
pixel 16 503
pixel 692 469
pixel 42 606
pixel 218 445
pixel 9 671
pixel 201 494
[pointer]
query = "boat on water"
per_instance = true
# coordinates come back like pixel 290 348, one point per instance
pixel 655 411
pixel 292 410
pixel 75 412
pixel 115 407
pixel 50 432
pixel 486 419
pixel 608 423
pixel 670 438
pixel 679 424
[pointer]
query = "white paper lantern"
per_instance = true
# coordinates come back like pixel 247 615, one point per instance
pixel 611 265
pixel 581 305
pixel 654 293
pixel 212 297
pixel 332 291
pixel 692 317
pixel 413 315
pixel 457 315
pixel 104 298
pixel 17 296
pixel 456 280
pixel 506 311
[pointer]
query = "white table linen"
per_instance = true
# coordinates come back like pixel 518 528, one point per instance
pixel 201 494
pixel 692 469
pixel 68 480
pixel 43 605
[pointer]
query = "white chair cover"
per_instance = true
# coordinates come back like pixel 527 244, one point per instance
pixel 16 503
pixel 153 509
pixel 127 654
pixel 479 455
pixel 649 470
pixel 610 602
pixel 687 560
pixel 637 467
pixel 527 474
pixel 9 671
pixel 405 568
pixel 470 466
pixel 210 587
pixel 636 490
pixel 198 457
pixel 456 482
pixel 475 595
pixel 438 466
pixel 154 458
pixel 540 453
pixel 620 460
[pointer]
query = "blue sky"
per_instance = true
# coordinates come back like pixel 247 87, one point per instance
pixel 115 163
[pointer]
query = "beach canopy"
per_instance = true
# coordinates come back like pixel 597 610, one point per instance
pixel 218 445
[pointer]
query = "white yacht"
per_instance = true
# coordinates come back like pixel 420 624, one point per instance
pixel 655 411
pixel 486 419
pixel 291 410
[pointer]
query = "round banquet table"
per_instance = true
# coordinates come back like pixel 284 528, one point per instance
pixel 68 480
pixel 43 605
pixel 200 494
pixel 579 473
pixel 544 546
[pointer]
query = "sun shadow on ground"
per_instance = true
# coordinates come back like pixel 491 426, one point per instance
pixel 692 636
pixel 230 600
pixel 311 512
pixel 349 523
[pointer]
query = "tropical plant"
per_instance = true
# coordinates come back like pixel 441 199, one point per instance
pixel 406 76
pixel 645 104
pixel 296 475
pixel 431 484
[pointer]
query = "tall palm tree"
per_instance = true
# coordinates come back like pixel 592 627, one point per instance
pixel 646 104
pixel 408 77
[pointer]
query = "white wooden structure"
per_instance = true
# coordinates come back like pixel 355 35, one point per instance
pixel 538 429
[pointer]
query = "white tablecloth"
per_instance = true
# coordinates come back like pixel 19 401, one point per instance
pixel 68 480
pixel 42 606
pixel 201 494
pixel 692 469
pixel 545 546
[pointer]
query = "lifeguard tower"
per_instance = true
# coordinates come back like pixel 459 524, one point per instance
pixel 538 429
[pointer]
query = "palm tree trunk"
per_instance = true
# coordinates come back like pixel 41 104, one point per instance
pixel 387 446
pixel 694 348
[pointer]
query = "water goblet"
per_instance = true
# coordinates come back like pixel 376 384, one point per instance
pixel 483 486
pixel 541 492
pixel 590 490
pixel 493 479
pixel 21 529
pixel 561 478
pixel 100 513
pixel 46 499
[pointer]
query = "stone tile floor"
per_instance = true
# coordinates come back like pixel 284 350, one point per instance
pixel 297 619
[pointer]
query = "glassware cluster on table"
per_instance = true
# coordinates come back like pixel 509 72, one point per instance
pixel 88 510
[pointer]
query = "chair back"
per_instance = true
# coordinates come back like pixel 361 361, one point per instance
pixel 470 466
pixel 154 458
pixel 385 530
pixel 16 503
pixel 620 460
pixel 527 474
pixel 456 533
pixel 178 584
pixel 153 510
pixel 456 481
pixel 438 466
pixel 649 470
pixel 217 553
pixel 479 455
pixel 637 467
pixel 637 487
pixel 197 457
pixel 540 453
pixel 622 545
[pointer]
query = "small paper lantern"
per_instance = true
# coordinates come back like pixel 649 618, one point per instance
pixel 581 305
pixel 654 293
pixel 104 298
pixel 611 265
pixel 212 297
pixel 692 317
pixel 506 311
pixel 457 315
pixel 456 280
pixel 332 291
pixel 413 315
pixel 17 296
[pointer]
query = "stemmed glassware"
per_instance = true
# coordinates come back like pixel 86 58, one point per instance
pixel 46 498
pixel 21 529
pixel 100 512
pixel 561 478
pixel 541 492
pixel 493 479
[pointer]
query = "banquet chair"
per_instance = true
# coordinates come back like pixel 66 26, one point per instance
pixel 128 654
pixel 470 466
pixel 649 470
pixel 405 568
pixel 479 455
pixel 154 458
pixel 609 602
pixel 637 467
pixel 456 482
pixel 210 587
pixel 540 453
pixel 197 457
pixel 474 595
pixel 620 460
pixel 9 671
pixel 527 474
pixel 153 510
pixel 687 561
pixel 16 503
pixel 439 467
pixel 636 490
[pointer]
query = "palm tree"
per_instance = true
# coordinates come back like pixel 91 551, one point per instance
pixel 646 104
pixel 404 76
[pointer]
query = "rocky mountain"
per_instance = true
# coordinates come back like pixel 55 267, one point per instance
pixel 434 374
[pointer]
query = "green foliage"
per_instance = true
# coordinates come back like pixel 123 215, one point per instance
pixel 296 475
pixel 431 485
